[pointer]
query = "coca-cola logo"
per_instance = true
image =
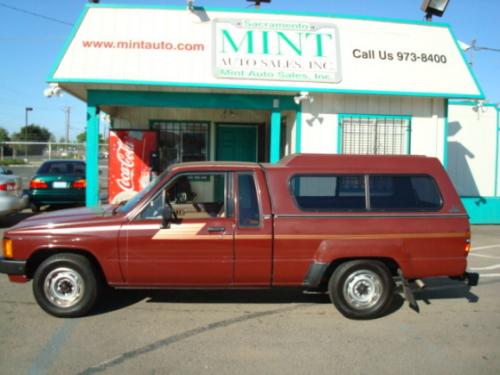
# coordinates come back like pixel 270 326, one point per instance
pixel 125 157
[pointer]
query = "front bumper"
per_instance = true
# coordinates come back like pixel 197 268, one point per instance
pixel 12 266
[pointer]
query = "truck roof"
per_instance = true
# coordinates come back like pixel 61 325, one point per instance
pixel 322 162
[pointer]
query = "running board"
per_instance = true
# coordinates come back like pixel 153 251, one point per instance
pixel 408 293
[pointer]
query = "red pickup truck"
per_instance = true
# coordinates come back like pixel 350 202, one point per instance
pixel 349 225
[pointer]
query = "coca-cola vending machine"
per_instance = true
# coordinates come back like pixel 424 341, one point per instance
pixel 131 153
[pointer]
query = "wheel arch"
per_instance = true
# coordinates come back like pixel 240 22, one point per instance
pixel 42 254
pixel 323 271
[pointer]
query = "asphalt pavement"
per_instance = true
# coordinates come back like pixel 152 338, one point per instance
pixel 281 331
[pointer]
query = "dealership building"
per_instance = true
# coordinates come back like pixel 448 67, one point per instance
pixel 249 85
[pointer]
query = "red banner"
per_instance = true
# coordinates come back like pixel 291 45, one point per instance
pixel 129 158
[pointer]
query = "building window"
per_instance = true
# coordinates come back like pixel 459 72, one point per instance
pixel 376 135
pixel 181 141
pixel 329 192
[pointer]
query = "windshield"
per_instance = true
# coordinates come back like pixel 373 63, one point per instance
pixel 136 198
pixel 58 168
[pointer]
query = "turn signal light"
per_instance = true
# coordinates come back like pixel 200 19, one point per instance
pixel 7 248
pixel 38 184
pixel 79 184
pixel 467 246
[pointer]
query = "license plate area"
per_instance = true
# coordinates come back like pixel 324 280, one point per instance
pixel 59 184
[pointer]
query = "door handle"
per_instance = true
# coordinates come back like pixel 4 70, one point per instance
pixel 215 229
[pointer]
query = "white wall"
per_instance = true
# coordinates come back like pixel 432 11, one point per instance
pixel 320 120
pixel 472 142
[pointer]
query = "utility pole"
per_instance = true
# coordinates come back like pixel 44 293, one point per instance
pixel 26 110
pixel 67 112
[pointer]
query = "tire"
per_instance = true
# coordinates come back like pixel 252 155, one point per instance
pixel 35 208
pixel 66 285
pixel 361 289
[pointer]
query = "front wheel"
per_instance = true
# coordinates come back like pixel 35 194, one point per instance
pixel 66 285
pixel 361 289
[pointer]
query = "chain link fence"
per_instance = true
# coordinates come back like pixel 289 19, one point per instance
pixel 37 152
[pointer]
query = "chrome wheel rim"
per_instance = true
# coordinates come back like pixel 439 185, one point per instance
pixel 64 287
pixel 363 289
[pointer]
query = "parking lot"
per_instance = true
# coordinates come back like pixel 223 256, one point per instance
pixel 457 330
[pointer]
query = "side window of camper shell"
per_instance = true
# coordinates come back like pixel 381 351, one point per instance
pixel 323 193
pixel 404 193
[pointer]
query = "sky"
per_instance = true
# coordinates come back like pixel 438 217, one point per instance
pixel 30 45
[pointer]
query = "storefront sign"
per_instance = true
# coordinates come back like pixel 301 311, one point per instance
pixel 279 51
pixel 176 47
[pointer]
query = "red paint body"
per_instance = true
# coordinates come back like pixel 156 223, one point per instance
pixel 279 251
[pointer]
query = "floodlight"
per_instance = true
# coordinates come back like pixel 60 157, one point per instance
pixel 258 2
pixel 434 8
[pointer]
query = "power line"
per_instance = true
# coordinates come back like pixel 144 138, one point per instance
pixel 35 14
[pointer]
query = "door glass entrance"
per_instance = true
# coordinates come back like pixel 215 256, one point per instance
pixel 236 142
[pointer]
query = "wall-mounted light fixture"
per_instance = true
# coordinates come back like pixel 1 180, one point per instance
pixel 434 8
pixel 190 5
pixel 303 96
pixel 52 90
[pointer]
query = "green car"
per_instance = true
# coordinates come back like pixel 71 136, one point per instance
pixel 58 182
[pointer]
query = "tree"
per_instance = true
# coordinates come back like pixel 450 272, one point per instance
pixel 32 133
pixel 4 137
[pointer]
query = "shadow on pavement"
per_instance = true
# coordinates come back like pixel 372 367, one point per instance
pixel 445 288
pixel 437 288
pixel 118 299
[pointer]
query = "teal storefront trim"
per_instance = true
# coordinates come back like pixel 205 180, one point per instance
pixel 92 157
pixel 446 130
pixel 298 130
pixel 482 210
pixel 339 134
pixel 497 155
pixel 188 100
pixel 342 116
pixel 294 89
pixel 274 155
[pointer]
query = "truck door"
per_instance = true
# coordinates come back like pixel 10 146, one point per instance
pixel 196 249
pixel 253 231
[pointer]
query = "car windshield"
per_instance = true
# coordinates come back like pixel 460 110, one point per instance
pixel 57 168
pixel 128 205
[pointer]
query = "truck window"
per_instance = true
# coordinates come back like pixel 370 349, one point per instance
pixel 404 193
pixel 248 204
pixel 329 192
pixel 192 196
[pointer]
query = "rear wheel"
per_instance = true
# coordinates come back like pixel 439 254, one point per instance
pixel 361 289
pixel 66 285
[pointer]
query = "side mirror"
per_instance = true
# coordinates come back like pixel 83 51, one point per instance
pixel 167 216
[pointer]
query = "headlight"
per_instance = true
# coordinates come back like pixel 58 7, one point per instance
pixel 7 248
